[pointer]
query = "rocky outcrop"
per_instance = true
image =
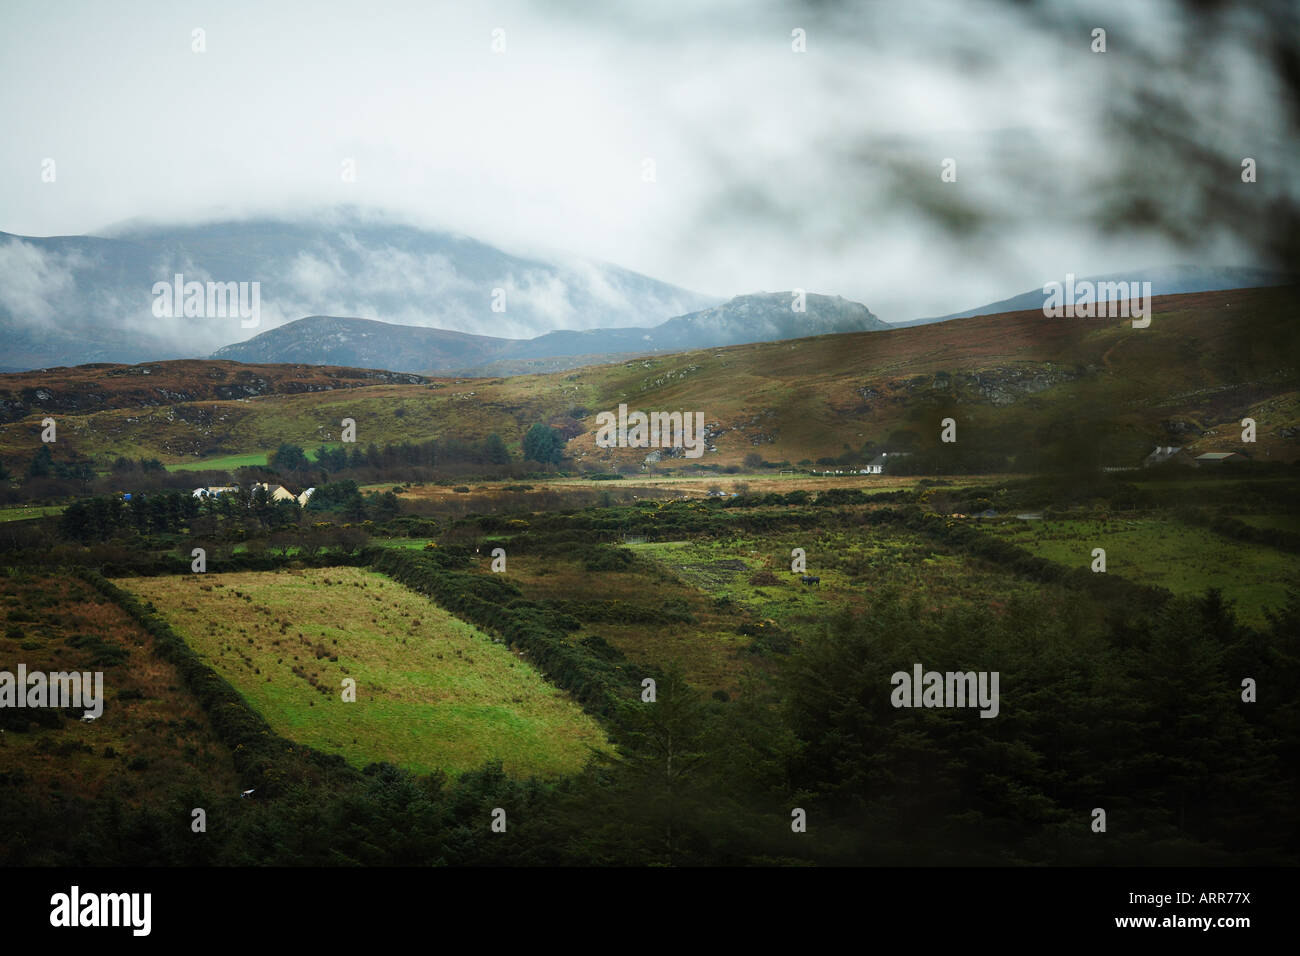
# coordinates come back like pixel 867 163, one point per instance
pixel 1000 385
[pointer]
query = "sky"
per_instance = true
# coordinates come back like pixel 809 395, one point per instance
pixel 772 169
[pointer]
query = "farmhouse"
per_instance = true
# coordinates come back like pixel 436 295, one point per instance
pixel 1218 458
pixel 1164 453
pixel 275 492
pixel 877 465
pixel 212 491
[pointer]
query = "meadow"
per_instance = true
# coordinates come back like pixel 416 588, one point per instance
pixel 432 693
pixel 231 462
pixel 221 463
pixel 854 567
pixel 1164 552
pixel 24 512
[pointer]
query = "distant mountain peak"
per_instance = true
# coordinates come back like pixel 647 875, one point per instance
pixel 365 343
pixel 79 299
pixel 774 313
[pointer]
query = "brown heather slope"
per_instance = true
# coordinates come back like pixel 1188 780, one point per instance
pixel 152 735
pixel 1015 381
pixel 85 388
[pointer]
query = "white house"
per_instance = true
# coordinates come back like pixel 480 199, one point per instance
pixel 1164 453
pixel 275 492
pixel 877 465
pixel 213 491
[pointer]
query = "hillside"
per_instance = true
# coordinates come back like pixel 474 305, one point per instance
pixel 1170 280
pixel 364 343
pixel 758 317
pixel 89 388
pixel 1016 383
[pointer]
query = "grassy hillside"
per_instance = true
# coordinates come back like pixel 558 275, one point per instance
pixel 432 693
pixel 1015 383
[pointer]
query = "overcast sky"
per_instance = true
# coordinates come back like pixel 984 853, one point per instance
pixel 773 169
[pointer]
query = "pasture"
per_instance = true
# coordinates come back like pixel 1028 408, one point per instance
pixel 432 692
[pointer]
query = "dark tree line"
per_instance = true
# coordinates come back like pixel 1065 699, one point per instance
pixel 95 519
pixel 435 453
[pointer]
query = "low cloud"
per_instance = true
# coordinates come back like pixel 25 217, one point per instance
pixel 36 286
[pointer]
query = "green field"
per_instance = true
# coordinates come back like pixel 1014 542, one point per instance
pixel 1169 554
pixel 855 568
pixel 728 605
pixel 432 692
pixel 221 464
pixel 23 512
pixel 412 544
pixel 231 462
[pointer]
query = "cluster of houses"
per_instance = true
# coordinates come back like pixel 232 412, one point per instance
pixel 1181 456
pixel 274 492
pixel 1160 455
pixel 874 467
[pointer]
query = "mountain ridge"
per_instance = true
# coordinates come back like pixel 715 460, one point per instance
pixel 1016 383
pixel 754 317
pixel 67 300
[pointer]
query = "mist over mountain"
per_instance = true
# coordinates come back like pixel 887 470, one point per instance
pixel 414 300
pixel 66 300
pixel 759 317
